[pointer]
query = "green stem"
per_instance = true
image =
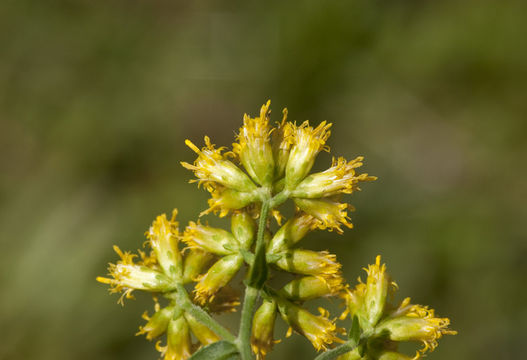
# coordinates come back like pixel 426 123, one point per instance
pixel 257 277
pixel 244 335
pixel 339 350
pixel 201 315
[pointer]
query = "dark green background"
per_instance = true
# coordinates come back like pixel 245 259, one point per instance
pixel 97 97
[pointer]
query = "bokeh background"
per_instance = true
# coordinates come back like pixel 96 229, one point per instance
pixel 97 97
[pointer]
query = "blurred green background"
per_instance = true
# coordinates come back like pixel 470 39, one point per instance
pixel 97 97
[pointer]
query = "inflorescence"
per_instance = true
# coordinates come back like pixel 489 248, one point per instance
pixel 192 269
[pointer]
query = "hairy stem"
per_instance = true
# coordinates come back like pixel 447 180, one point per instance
pixel 201 315
pixel 257 276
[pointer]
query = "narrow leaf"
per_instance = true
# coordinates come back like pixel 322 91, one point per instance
pixel 221 350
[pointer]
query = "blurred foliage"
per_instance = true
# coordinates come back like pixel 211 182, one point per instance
pixel 96 98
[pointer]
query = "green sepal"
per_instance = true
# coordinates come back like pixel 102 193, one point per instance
pixel 220 350
pixel 355 330
pixel 272 258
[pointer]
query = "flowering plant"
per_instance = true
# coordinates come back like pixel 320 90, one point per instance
pixel 266 167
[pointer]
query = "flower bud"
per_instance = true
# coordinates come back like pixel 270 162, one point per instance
pixel 376 291
pixel 340 178
pixel 308 142
pixel 128 276
pixel 254 148
pixel 163 238
pixel 307 262
pixel 213 240
pixel 243 228
pixel 179 345
pixel 263 328
pixel 201 331
pixel 225 200
pixel 419 324
pixel 291 233
pixel 217 277
pixel 311 287
pixel 157 324
pixel 319 330
pixel 194 263
pixel 331 214
pixel 211 166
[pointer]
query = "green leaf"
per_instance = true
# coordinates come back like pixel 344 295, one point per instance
pixel 355 331
pixel 221 350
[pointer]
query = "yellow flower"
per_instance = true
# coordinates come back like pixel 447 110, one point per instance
pixel 128 276
pixel 377 286
pixel 308 262
pixel 179 345
pixel 415 323
pixel 308 142
pixel 291 233
pixel 312 287
pixel 263 328
pixel 158 323
pixel 332 214
pixel 254 148
pixel 163 238
pixel 194 263
pixel 340 178
pixel 224 200
pixel 213 240
pixel 211 166
pixel 217 277
pixel 204 335
pixel 319 330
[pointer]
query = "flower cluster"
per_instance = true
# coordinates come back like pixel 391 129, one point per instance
pixel 387 325
pixel 193 270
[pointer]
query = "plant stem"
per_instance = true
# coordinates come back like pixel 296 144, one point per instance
pixel 348 346
pixel 257 276
pixel 201 315
pixel 244 336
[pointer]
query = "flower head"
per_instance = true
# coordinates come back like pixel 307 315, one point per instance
pixel 319 330
pixel 262 340
pixel 163 239
pixel 308 142
pixel 340 178
pixel 212 167
pixel 254 148
pixel 312 287
pixel 331 214
pixel 127 276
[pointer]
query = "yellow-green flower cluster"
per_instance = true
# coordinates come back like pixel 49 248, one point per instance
pixel 160 272
pixel 266 167
pixel 277 160
pixel 388 325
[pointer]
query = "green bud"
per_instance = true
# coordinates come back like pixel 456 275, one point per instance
pixel 243 228
pixel 307 262
pixel 213 240
pixel 263 328
pixel 291 233
pixel 157 324
pixel 194 263
pixel 201 331
pixel 179 345
pixel 311 287
pixel 217 277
